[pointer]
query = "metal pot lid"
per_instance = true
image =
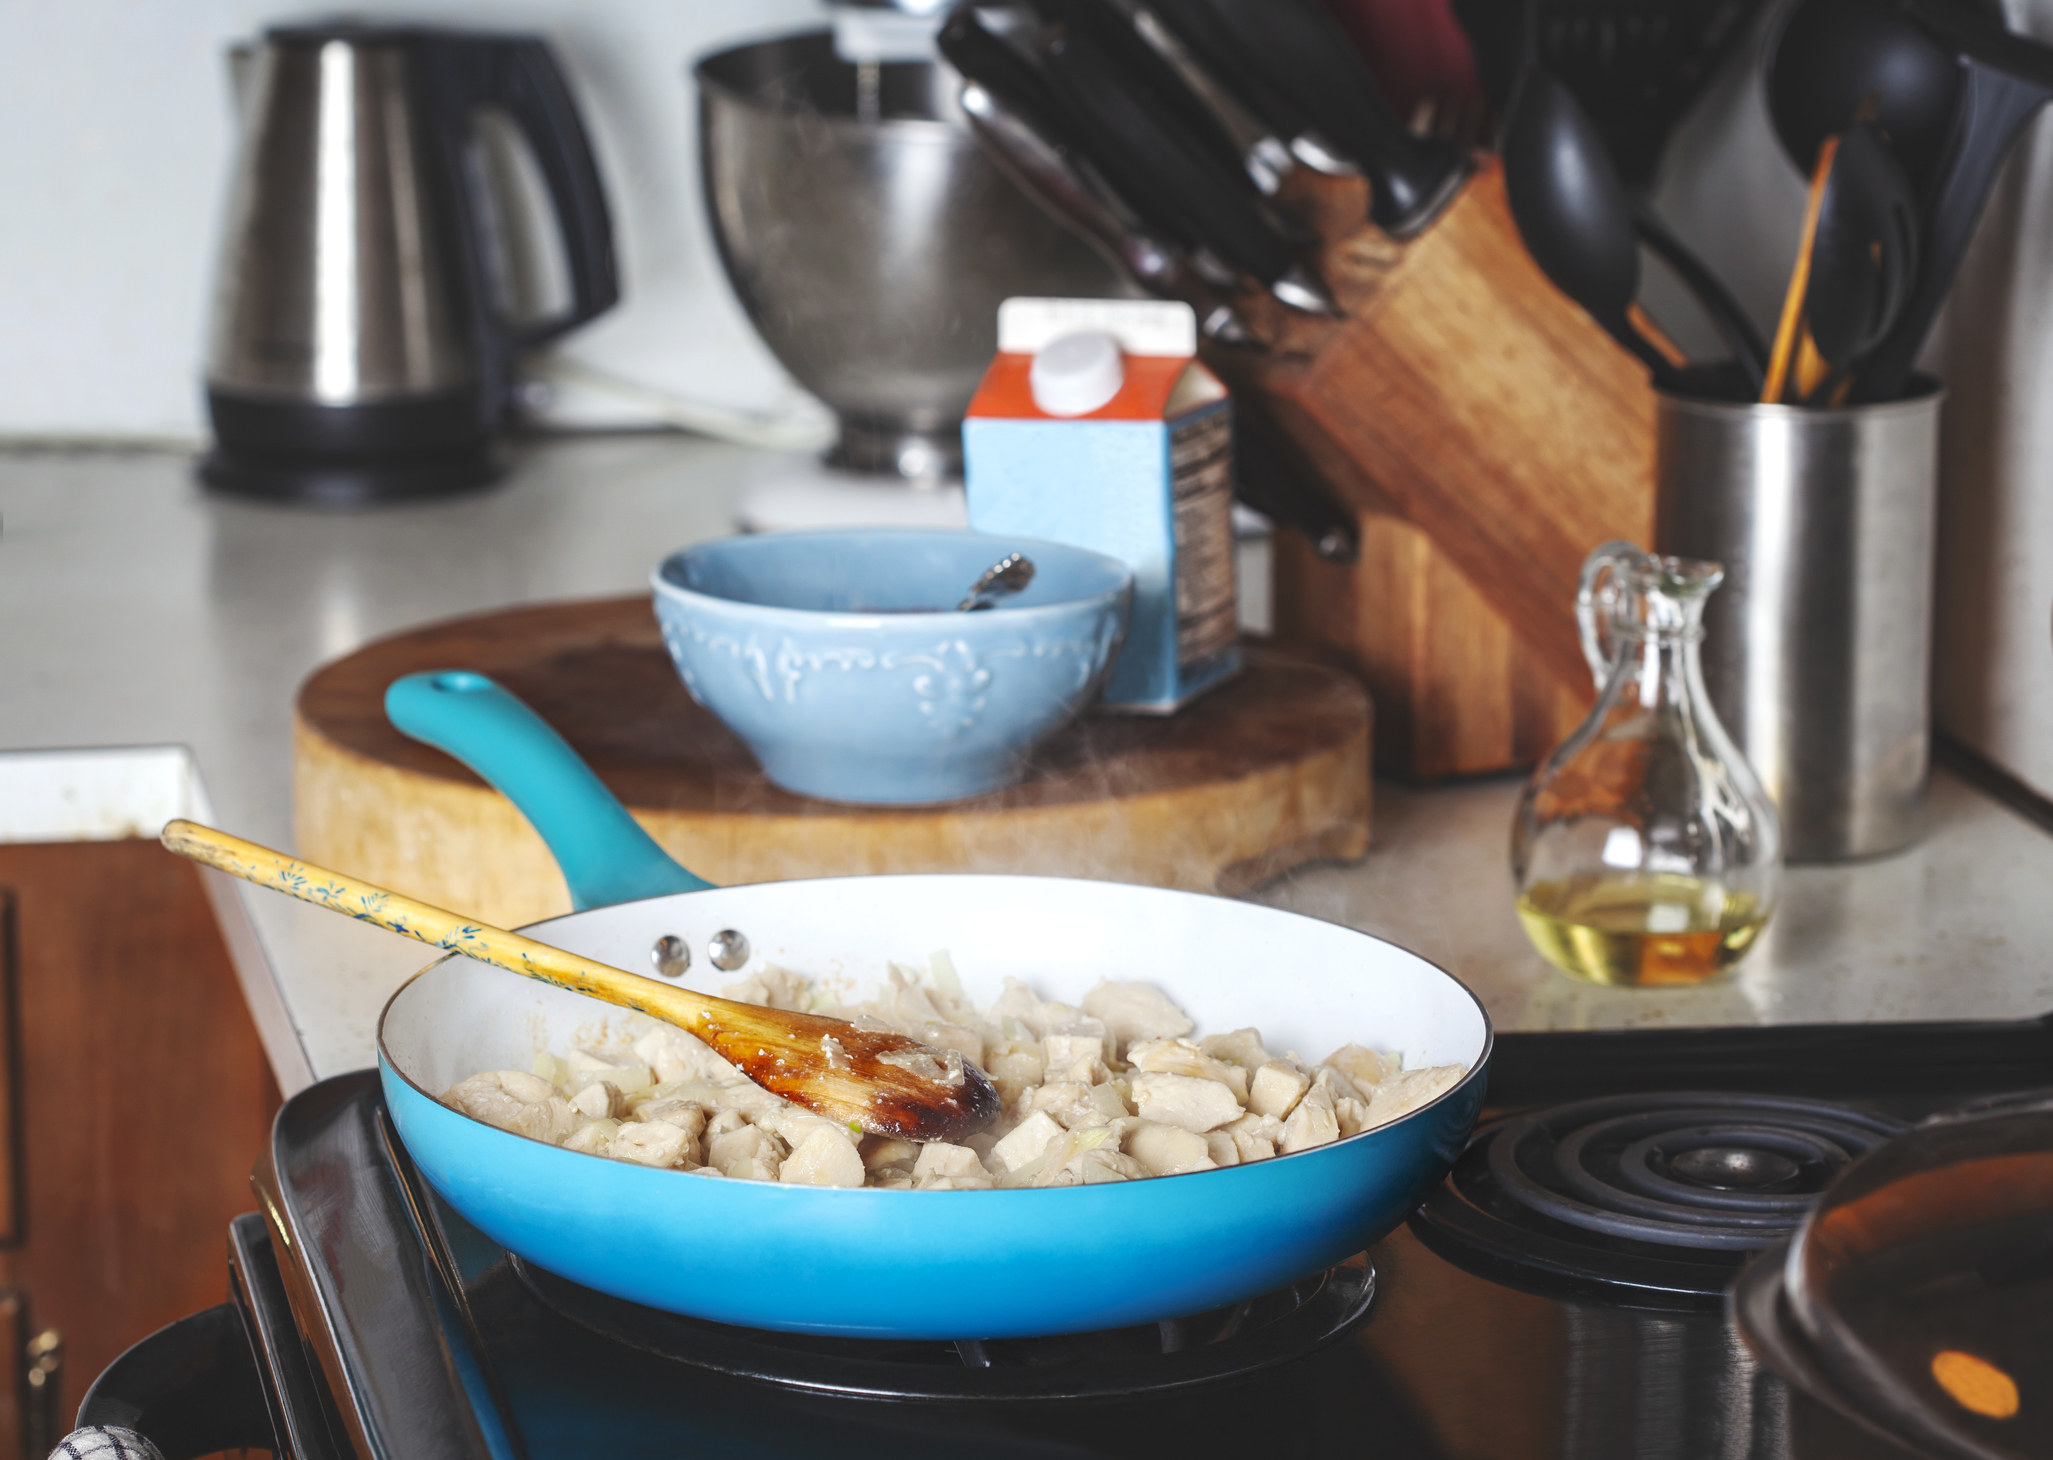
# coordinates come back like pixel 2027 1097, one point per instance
pixel 1924 1279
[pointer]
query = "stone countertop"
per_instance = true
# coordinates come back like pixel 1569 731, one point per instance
pixel 138 614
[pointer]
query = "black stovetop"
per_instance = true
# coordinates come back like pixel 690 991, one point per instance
pixel 1456 1337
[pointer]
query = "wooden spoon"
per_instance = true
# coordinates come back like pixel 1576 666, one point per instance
pixel 1783 356
pixel 871 1080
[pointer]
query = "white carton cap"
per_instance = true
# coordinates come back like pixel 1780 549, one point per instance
pixel 1158 327
pixel 1076 373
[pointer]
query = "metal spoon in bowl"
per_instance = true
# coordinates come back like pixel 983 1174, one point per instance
pixel 1001 580
pixel 869 1080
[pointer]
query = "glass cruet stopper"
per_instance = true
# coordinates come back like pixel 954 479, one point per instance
pixel 1644 850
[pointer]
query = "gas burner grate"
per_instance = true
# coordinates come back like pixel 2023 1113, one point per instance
pixel 1224 1343
pixel 1664 1194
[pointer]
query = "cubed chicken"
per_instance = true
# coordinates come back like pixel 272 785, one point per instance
pixel 676 1055
pixel 625 1075
pixel 1108 1104
pixel 882 1152
pixel 1350 1105
pixel 594 1137
pixel 1079 1039
pixel 1168 1150
pixel 682 1116
pixel 1313 1123
pixel 1254 1136
pixel 1015 1067
pixel 516 1101
pixel 1182 1057
pixel 1093 1167
pixel 1400 1094
pixel 1014 1001
pixel 1066 1100
pixel 649 1143
pixel 1183 1101
pixel 1276 1089
pixel 827 1157
pixel 1219 1145
pixel 1135 1011
pixel 957 1165
pixel 1363 1066
pixel 745 1096
pixel 1241 1047
pixel 686 1115
pixel 1026 1141
pixel 600 1100
pixel 748 1154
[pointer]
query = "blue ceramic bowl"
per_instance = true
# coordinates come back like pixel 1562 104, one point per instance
pixel 838 656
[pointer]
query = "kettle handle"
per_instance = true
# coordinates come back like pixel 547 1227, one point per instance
pixel 521 75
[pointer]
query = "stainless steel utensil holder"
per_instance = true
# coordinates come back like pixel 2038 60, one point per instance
pixel 1817 651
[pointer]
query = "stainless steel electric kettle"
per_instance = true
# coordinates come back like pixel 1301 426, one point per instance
pixel 361 346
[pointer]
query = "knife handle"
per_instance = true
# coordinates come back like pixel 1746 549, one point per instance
pixel 1114 34
pixel 1300 48
pixel 1166 179
pixel 1212 42
pixel 1266 479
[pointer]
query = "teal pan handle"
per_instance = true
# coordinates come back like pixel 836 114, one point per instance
pixel 604 854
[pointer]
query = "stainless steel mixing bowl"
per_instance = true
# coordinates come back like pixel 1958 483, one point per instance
pixel 871 241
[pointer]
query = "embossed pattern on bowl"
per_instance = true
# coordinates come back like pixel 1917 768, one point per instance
pixel 825 652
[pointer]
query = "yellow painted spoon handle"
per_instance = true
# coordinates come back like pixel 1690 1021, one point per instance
pixel 437 927
pixel 855 1076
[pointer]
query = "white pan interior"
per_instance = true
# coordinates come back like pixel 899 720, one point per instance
pixel 1308 986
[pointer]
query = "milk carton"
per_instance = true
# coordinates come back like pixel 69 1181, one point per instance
pixel 1096 425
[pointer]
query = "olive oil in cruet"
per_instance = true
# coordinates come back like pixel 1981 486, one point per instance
pixel 1644 849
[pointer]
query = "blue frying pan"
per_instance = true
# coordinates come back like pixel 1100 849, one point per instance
pixel 904 1264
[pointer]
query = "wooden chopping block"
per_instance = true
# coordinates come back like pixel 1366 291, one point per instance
pixel 1266 773
pixel 1489 434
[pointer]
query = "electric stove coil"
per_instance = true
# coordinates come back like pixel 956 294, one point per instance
pixel 1649 1198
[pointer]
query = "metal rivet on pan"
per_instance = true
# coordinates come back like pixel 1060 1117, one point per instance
pixel 671 955
pixel 728 950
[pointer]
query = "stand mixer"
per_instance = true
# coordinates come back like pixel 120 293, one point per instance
pixel 870 241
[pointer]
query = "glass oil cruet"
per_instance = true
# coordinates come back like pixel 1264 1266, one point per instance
pixel 1644 850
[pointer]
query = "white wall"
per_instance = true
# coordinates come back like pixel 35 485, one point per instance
pixel 119 131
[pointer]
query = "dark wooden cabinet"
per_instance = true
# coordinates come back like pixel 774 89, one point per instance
pixel 134 1100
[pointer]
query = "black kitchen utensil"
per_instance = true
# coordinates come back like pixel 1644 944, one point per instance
pixel 1113 32
pixel 1833 58
pixel 1301 51
pixel 1212 43
pixel 1864 257
pixel 1726 313
pixel 1572 211
pixel 1023 125
pixel 1169 181
pixel 1074 195
pixel 1265 155
pixel 1128 152
pixel 2005 80
pixel 1636 66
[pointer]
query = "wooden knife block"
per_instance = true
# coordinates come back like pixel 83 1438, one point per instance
pixel 1488 434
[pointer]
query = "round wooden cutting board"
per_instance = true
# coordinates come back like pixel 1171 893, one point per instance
pixel 1265 773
